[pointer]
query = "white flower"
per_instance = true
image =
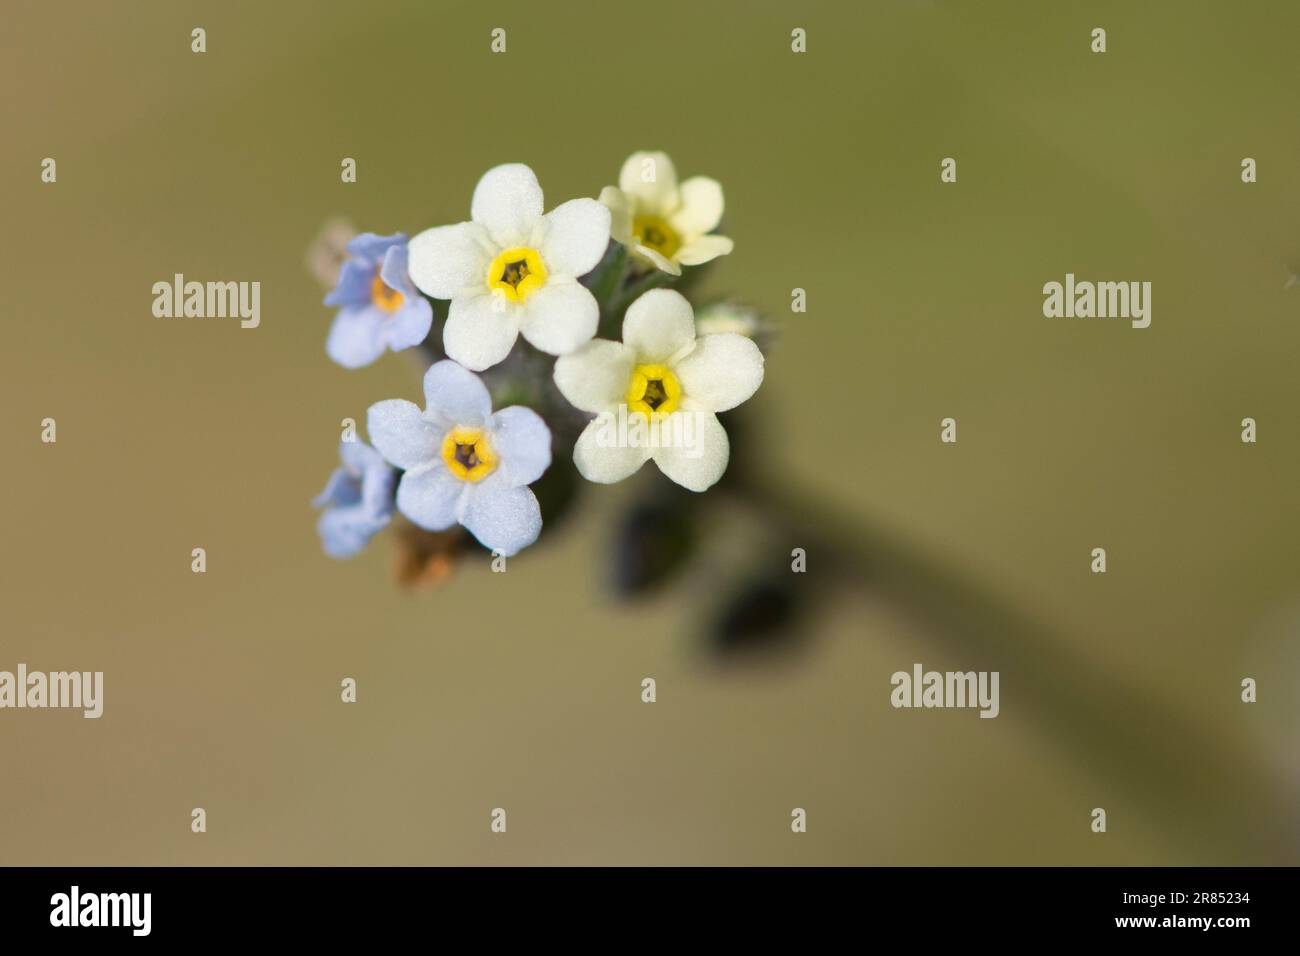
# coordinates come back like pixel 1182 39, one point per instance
pixel 661 222
pixel 512 269
pixel 464 464
pixel 656 392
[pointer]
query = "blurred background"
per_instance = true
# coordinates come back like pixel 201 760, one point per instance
pixel 522 690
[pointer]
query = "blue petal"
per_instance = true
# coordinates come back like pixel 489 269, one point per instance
pixel 456 395
pixel 343 488
pixel 370 248
pixel 359 497
pixel 394 272
pixel 354 285
pixel 409 325
pixel 523 443
pixel 358 456
pixel 356 337
pixel 503 519
pixel 344 533
pixel 431 497
pixel 403 434
pixel 377 490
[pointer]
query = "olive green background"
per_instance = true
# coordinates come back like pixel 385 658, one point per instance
pixel 521 690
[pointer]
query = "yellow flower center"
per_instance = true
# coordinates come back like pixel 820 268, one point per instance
pixel 653 392
pixel 517 273
pixel 655 233
pixel 390 300
pixel 468 454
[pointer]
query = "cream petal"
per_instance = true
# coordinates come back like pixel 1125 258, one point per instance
pixel 651 179
pixel 601 455
pixel 574 237
pixel 448 261
pixel 658 325
pixel 560 316
pixel 656 260
pixel 480 331
pixel 703 249
pixel 595 377
pixel 697 463
pixel 722 371
pixel 508 203
pixel 620 213
pixel 701 208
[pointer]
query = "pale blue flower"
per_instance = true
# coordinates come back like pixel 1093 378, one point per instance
pixel 380 307
pixel 358 500
pixel 465 464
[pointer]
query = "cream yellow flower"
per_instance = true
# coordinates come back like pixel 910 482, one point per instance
pixel 661 221
pixel 657 393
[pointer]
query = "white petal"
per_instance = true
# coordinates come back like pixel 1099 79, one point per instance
pixel 620 213
pixel 508 201
pixel 455 396
pixel 650 179
pixel 658 325
pixel 722 371
pixel 431 497
pixel 448 261
pixel 522 442
pixel 400 432
pixel 701 208
pixel 595 377
pixel 699 462
pixel 560 316
pixel 703 249
pixel 504 519
pixel 480 331
pixel 603 455
pixel 574 237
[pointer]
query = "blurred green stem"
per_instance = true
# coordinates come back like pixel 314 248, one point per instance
pixel 609 276
pixel 634 288
pixel 1122 733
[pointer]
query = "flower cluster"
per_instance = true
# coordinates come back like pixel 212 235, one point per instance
pixel 570 282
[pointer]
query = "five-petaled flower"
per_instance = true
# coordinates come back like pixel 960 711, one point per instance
pixel 661 222
pixel 465 464
pixel 380 308
pixel 656 392
pixel 511 269
pixel 358 500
